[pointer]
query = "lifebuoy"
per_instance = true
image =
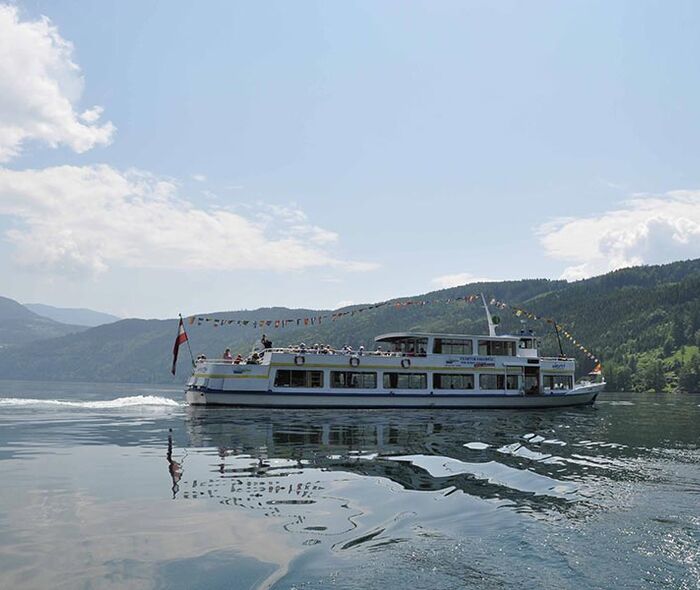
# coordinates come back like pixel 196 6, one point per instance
pixel 299 360
pixel 354 361
pixel 405 363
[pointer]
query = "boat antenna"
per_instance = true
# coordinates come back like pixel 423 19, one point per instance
pixel 556 330
pixel 489 319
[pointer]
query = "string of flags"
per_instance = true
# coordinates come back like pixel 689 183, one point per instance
pixel 519 312
pixel 319 319
pixel 315 320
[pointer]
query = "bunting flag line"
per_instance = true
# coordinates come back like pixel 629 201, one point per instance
pixel 314 320
pixel 522 312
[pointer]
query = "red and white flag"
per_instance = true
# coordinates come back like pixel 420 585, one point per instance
pixel 181 338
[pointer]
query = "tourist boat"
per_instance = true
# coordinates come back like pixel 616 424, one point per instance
pixel 408 370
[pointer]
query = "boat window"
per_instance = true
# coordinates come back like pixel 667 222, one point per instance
pixel 298 378
pixel 527 343
pixel 353 380
pixel 558 381
pixel 405 380
pixel 452 346
pixel 497 347
pixel 512 382
pixel 492 381
pixel 450 381
pixel 410 346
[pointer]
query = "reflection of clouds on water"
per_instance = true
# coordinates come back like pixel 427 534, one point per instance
pixel 83 534
pixel 346 499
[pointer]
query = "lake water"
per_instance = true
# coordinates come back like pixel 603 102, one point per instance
pixel 123 486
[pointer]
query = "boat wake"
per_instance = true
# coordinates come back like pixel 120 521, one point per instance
pixel 120 402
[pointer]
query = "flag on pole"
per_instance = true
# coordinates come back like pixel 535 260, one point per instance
pixel 180 339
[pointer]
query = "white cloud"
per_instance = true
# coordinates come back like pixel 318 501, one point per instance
pixel 457 280
pixel 199 177
pixel 644 230
pixel 40 85
pixel 78 220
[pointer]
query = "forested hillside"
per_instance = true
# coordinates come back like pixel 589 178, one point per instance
pixel 643 323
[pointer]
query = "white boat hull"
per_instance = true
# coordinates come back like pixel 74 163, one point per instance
pixel 583 395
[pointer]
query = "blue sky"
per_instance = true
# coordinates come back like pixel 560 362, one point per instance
pixel 310 154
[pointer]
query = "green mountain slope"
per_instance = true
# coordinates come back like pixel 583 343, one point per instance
pixel 19 325
pixel 643 322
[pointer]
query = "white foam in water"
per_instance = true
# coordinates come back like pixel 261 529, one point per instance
pixel 616 403
pixel 120 402
pixel 476 446
pixel 554 441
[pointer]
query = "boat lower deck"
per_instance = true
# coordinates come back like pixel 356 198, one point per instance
pixel 579 396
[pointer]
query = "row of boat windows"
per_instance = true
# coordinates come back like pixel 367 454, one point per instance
pixel 453 346
pixel 368 380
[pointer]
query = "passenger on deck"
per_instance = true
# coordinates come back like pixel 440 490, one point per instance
pixel 254 359
pixel 361 351
pixel 238 360
pixel 266 342
pixel 227 356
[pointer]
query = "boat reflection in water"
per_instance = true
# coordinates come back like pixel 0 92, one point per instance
pixel 326 473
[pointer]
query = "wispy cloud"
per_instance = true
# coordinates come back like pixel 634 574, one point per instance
pixel 199 177
pixel 645 229
pixel 40 86
pixel 85 219
pixel 458 279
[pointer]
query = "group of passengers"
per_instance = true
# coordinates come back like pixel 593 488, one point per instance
pixel 324 349
pixel 254 359
pixel 328 349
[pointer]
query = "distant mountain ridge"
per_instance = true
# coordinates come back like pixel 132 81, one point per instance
pixel 19 325
pixel 12 310
pixel 78 316
pixel 643 322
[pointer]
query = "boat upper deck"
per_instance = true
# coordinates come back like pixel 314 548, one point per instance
pixel 424 348
pixel 399 335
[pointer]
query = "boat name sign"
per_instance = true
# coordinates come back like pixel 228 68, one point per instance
pixel 471 361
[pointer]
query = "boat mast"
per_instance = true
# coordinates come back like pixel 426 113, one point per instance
pixel 489 319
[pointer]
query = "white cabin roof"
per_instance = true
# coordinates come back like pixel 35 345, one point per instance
pixel 394 335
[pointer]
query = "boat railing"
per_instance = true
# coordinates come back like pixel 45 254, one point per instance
pixel 309 351
pixel 556 358
pixel 334 351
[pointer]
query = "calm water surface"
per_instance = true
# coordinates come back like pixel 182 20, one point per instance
pixel 115 486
